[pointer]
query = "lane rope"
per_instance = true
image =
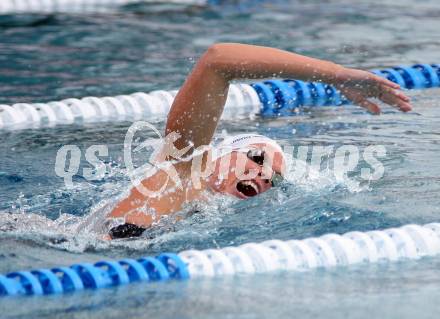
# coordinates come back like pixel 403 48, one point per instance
pixel 331 250
pixel 81 6
pixel 271 98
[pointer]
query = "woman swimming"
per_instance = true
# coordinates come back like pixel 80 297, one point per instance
pixel 253 162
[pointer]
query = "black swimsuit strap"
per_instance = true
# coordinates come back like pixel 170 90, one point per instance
pixel 126 231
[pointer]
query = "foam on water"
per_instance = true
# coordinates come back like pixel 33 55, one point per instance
pixel 80 233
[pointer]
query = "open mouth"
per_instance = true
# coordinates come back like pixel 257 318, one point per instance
pixel 247 188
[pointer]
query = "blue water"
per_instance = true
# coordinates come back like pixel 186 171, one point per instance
pixel 142 48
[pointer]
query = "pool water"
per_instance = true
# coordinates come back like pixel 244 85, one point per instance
pixel 146 47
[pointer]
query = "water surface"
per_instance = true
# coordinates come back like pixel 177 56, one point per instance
pixel 143 48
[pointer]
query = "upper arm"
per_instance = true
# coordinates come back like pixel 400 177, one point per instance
pixel 198 106
pixel 200 102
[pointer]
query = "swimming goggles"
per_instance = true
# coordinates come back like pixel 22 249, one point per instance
pixel 258 156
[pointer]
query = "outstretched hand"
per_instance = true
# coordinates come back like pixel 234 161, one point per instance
pixel 361 86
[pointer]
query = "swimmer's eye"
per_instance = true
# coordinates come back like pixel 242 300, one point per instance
pixel 256 156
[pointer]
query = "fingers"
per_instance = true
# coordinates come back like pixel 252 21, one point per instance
pixel 401 95
pixel 370 106
pixel 396 98
pixel 396 102
pixel 390 95
pixel 384 91
pixel 360 100
pixel 387 82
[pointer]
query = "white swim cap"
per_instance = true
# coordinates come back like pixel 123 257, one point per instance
pixel 240 141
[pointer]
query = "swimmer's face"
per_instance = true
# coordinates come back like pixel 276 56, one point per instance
pixel 248 172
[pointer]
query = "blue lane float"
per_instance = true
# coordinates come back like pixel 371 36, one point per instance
pixel 93 276
pixel 270 98
pixel 406 242
pixel 282 97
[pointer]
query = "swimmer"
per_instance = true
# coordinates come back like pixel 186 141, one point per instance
pixel 197 109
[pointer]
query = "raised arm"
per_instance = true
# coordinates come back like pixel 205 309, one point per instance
pixel 199 104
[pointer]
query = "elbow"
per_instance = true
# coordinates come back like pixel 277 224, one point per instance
pixel 215 57
pixel 217 49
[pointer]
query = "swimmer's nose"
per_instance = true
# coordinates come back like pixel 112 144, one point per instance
pixel 267 181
